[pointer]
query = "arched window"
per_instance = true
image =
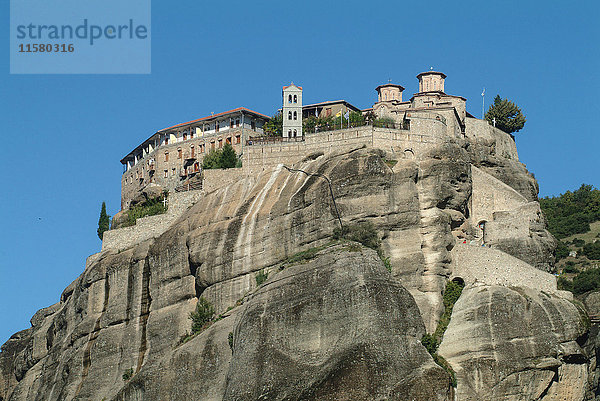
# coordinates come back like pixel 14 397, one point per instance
pixel 289 98
pixel 295 115
pixel 295 99
pixel 289 133
pixel 295 133
pixel 289 115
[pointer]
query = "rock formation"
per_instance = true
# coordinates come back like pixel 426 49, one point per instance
pixel 334 324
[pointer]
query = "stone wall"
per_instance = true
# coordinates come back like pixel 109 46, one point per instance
pixel 491 195
pixel 215 179
pixel 151 226
pixel 481 132
pixel 424 133
pixel 478 265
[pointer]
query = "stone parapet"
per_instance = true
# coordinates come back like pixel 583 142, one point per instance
pixel 478 265
pixel 151 226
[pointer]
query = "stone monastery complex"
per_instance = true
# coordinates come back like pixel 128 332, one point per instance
pixel 172 157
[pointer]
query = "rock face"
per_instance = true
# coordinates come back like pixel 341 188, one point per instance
pixel 515 349
pixel 337 327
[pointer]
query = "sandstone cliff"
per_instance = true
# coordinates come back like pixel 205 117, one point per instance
pixel 337 326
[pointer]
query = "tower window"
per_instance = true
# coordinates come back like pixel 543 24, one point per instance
pixel 289 98
pixel 289 133
pixel 295 99
pixel 295 115
pixel 295 133
pixel 289 115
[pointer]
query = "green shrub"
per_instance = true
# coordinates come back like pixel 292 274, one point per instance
pixel 261 277
pixel 431 342
pixel 128 374
pixel 592 251
pixel 570 267
pixel 561 251
pixel 365 233
pixel 384 122
pixel 151 207
pixel 203 315
pixel 221 158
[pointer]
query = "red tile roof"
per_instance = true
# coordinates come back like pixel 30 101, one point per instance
pixel 285 87
pixel 213 116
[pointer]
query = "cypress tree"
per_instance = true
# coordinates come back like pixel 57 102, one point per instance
pixel 103 222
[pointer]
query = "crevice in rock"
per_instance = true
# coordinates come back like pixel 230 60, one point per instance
pixel 146 300
pixel 87 353
pixel 550 383
pixel 129 292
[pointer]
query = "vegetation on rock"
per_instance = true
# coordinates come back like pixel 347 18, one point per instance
pixel 103 222
pixel 261 277
pixel 203 315
pixel 506 115
pixel 366 234
pixel 151 207
pixel 432 341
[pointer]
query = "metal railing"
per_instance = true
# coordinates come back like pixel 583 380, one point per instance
pixel 265 140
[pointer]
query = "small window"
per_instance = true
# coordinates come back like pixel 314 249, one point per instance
pixel 220 143
pixel 289 115
pixel 166 156
pixel 166 173
pixel 185 136
pixel 173 172
pixel 295 115
pixel 166 140
pixel 295 133
pixel 192 135
pixel 295 99
pixel 228 140
pixel 230 123
pixel 237 122
pixel 179 153
pixel 238 139
pixel 289 98
pixel 193 151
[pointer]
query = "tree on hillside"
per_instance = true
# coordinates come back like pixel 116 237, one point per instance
pixel 103 222
pixel 274 127
pixel 507 116
pixel 228 157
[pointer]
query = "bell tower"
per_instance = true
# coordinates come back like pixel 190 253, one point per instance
pixel 292 111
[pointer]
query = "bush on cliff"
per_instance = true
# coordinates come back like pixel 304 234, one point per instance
pixel 151 207
pixel 203 314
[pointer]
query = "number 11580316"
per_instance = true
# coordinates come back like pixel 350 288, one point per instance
pixel 46 48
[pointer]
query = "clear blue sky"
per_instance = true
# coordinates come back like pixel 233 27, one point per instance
pixel 63 135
